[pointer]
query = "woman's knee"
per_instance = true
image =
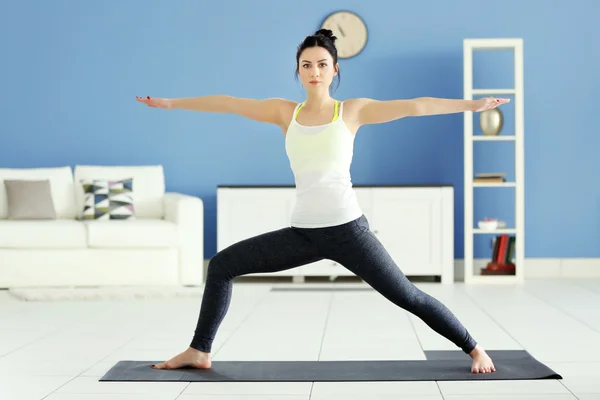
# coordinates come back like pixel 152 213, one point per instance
pixel 416 300
pixel 220 267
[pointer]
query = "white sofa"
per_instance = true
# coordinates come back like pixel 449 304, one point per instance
pixel 163 245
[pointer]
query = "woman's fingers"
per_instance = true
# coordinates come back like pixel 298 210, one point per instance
pixel 147 100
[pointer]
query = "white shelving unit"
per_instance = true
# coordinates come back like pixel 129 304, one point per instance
pixel 470 46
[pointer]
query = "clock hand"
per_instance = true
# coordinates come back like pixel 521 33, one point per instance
pixel 341 30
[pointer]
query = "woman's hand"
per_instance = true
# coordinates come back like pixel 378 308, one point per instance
pixel 488 103
pixel 156 102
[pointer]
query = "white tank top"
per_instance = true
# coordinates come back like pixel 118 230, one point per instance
pixel 320 158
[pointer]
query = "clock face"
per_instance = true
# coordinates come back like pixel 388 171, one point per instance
pixel 350 30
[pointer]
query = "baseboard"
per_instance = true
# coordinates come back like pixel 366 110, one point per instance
pixel 536 268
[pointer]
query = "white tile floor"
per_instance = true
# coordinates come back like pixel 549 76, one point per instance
pixel 59 350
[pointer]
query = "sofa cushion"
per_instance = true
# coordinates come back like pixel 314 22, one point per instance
pixel 148 187
pixel 105 199
pixel 49 234
pixel 61 185
pixel 29 199
pixel 140 233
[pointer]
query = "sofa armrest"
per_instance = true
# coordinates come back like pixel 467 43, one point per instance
pixel 187 212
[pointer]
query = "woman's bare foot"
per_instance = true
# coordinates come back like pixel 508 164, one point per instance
pixel 190 358
pixel 482 363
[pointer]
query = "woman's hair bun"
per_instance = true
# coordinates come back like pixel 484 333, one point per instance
pixel 327 33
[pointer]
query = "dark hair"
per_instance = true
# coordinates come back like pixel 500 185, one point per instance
pixel 322 38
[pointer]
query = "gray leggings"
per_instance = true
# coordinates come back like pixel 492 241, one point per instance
pixel 352 245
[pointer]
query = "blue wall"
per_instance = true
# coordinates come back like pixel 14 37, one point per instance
pixel 71 71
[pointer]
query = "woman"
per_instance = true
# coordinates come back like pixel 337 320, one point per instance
pixel 327 221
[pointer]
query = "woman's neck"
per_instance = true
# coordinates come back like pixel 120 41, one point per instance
pixel 318 101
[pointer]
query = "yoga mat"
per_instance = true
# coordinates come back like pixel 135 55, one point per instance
pixel 439 366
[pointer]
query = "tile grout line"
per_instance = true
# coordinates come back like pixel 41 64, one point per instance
pixel 183 390
pixel 35 340
pixel 591 290
pixel 312 386
pixel 569 390
pixel 49 334
pixel 136 336
pixel 258 303
pixel 492 318
pixel 99 361
pixel 410 321
pixel 535 296
pixel 561 381
pixel 440 389
pixel 412 325
pixel 562 311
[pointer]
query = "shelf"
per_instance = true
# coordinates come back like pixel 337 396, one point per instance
pixel 494 138
pixel 493 279
pixel 493 91
pixel 499 231
pixel 495 184
pixel 492 43
pixel 513 134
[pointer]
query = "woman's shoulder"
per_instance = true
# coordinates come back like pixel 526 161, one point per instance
pixel 352 107
pixel 287 105
pixel 354 102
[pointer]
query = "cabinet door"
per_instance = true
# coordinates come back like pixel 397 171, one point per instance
pixel 243 213
pixel 364 196
pixel 407 221
pixel 246 212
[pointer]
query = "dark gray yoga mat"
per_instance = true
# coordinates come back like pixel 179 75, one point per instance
pixel 439 366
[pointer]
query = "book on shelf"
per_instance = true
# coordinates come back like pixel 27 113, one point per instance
pixel 489 180
pixel 490 177
pixel 503 252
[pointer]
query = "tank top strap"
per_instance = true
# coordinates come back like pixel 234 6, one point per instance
pixel 337 110
pixel 297 109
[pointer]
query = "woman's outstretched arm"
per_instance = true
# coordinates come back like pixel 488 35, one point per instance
pixel 369 111
pixel 266 110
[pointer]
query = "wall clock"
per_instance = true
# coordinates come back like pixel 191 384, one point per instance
pixel 350 30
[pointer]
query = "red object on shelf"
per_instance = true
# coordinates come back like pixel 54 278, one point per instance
pixel 499 269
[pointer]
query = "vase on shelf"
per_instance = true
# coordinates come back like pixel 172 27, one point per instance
pixel 491 122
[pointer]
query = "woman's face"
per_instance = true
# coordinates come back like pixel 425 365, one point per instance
pixel 316 69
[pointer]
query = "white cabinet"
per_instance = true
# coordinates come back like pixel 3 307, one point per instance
pixel 414 223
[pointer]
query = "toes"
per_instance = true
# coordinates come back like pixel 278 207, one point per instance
pixel 481 369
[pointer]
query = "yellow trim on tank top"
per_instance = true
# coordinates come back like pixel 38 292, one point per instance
pixel 335 113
